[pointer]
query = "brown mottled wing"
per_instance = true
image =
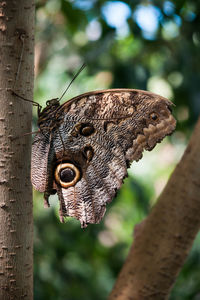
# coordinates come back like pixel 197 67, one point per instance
pixel 102 133
pixel 124 126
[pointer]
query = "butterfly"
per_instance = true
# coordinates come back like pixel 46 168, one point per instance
pixel 84 146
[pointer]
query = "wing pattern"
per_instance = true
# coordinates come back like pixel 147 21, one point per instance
pixel 98 135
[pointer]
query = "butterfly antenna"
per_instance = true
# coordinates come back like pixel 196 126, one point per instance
pixel 79 71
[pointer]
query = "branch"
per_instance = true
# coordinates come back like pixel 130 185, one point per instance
pixel 164 238
pixel 16 219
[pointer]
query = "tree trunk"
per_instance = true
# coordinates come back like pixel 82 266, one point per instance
pixel 164 238
pixel 16 221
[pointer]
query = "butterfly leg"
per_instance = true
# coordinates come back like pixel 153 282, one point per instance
pixel 46 200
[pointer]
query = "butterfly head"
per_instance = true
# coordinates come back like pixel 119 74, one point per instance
pixel 52 102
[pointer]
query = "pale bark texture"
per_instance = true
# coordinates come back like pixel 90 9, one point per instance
pixel 163 240
pixel 16 222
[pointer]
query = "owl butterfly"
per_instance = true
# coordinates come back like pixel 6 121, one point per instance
pixel 84 147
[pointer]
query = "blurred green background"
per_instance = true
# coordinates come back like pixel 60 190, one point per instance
pixel 153 45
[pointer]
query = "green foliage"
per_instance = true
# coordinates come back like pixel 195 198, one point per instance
pixel 135 44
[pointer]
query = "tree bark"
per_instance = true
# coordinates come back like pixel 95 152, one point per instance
pixel 164 238
pixel 16 221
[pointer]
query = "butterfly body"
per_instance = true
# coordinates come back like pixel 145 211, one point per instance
pixel 84 146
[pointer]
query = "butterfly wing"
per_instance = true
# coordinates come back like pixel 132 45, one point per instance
pixel 99 135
